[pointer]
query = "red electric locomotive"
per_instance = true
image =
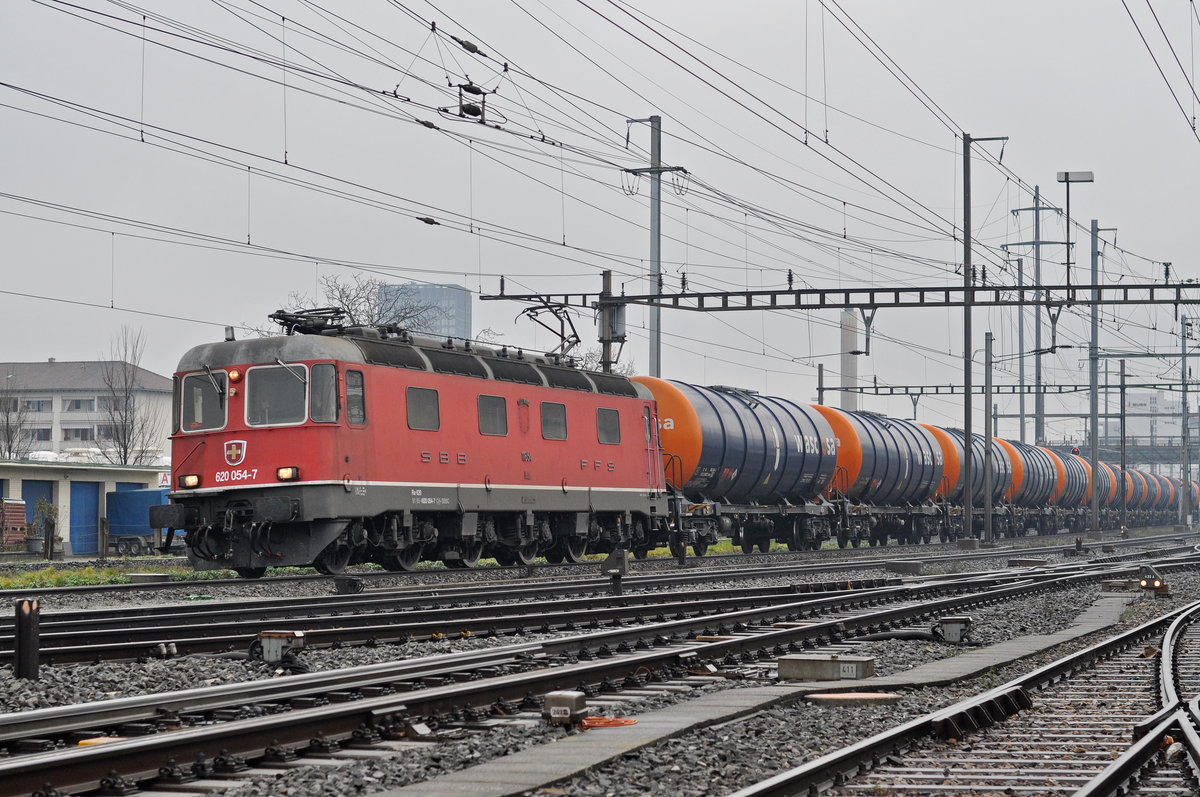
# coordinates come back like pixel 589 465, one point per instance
pixel 348 444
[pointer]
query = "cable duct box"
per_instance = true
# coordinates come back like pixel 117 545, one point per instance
pixel 565 707
pixel 825 667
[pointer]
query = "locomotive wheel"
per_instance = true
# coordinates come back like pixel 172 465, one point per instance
pixel 334 558
pixel 525 554
pixel 574 548
pixel 250 572
pixel 405 560
pixel 699 548
pixel 471 551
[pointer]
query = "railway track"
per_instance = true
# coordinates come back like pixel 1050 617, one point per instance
pixel 826 559
pixel 1100 722
pixel 399 615
pixel 258 723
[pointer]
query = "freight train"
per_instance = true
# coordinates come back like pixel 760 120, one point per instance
pixel 333 444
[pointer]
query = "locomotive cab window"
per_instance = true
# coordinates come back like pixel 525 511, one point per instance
pixel 204 401
pixel 554 421
pixel 322 393
pixel 276 395
pixel 356 401
pixel 608 426
pixel 423 413
pixel 493 416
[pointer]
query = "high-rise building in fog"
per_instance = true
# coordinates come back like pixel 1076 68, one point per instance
pixel 452 314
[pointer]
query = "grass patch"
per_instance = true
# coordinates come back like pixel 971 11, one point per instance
pixel 62 577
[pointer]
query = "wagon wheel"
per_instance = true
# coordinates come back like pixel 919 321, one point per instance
pixel 764 544
pixel 843 538
pixel 405 559
pixel 554 554
pixel 676 546
pixel 699 548
pixel 334 558
pixel 747 544
pixel 641 552
pixel 574 548
pixel 526 553
pixel 504 557
pixel 250 572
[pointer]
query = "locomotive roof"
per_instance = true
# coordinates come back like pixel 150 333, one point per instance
pixel 368 346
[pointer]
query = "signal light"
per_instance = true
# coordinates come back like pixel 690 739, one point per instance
pixel 287 474
pixel 1075 450
pixel 189 481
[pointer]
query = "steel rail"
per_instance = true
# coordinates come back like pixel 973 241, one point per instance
pixel 979 711
pixel 79 768
pixel 650 566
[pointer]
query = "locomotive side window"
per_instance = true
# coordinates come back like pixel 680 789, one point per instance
pixel 356 401
pixel 554 421
pixel 276 395
pixel 203 405
pixel 175 404
pixel 423 414
pixel 608 426
pixel 493 416
pixel 322 393
pixel 649 427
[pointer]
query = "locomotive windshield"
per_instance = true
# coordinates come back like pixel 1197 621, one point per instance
pixel 276 395
pixel 203 401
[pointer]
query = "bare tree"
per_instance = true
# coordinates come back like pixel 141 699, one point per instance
pixel 15 439
pixel 590 361
pixel 132 428
pixel 365 301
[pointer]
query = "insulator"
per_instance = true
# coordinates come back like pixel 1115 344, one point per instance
pixel 471 88
pixel 428 220
pixel 429 124
pixel 469 46
pixel 790 279
pixel 470 109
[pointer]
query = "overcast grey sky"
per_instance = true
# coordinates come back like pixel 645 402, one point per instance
pixel 143 179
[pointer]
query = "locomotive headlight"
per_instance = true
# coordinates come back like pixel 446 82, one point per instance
pixel 235 375
pixel 288 474
pixel 189 481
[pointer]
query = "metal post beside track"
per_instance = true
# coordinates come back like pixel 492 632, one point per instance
pixel 27 645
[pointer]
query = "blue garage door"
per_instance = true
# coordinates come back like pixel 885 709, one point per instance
pixel 85 517
pixel 31 491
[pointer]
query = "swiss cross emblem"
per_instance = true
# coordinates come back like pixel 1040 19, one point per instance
pixel 235 452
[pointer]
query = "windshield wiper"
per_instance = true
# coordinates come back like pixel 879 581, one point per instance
pixel 288 368
pixel 220 390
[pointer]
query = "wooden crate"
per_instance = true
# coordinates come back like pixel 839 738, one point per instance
pixel 12 522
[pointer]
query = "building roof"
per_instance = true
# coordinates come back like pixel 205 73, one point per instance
pixel 83 375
